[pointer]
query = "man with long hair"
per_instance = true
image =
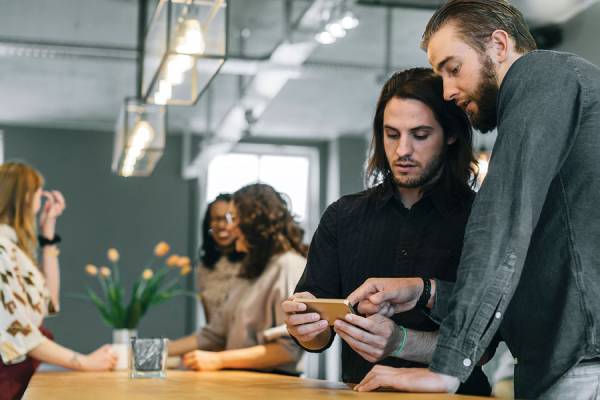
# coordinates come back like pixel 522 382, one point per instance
pixel 411 221
pixel 529 265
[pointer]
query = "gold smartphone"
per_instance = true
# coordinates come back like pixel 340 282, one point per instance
pixel 328 309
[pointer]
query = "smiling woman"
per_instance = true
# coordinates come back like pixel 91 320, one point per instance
pixel 220 262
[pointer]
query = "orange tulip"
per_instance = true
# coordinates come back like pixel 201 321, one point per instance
pixel 147 274
pixel 161 249
pixel 91 270
pixel 104 272
pixel 186 270
pixel 113 255
pixel 184 262
pixel 173 260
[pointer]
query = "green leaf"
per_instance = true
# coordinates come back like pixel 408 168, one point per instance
pixel 104 312
pixel 132 311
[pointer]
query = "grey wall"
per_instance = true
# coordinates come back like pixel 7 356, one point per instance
pixel 581 35
pixel 105 210
pixel 352 157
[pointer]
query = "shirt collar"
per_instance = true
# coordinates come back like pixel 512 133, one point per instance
pixel 6 231
pixel 385 192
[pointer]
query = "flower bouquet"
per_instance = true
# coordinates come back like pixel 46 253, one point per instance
pixel 152 287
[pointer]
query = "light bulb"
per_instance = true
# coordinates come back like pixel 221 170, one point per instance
pixel 127 170
pixel 142 135
pixel 174 74
pixel 336 30
pixel 165 89
pixel 159 99
pixel 325 38
pixel 191 40
pixel 181 63
pixel 349 21
pixel 128 164
pixel 177 66
pixel 135 153
pixel 164 92
pixel 483 166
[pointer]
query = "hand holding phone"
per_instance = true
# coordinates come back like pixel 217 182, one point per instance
pixel 304 325
pixel 328 309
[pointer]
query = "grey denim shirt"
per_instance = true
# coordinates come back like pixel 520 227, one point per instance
pixel 530 265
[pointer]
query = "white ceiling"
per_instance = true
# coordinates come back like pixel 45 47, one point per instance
pixel 82 83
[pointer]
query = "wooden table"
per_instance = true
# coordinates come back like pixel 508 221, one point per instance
pixel 223 385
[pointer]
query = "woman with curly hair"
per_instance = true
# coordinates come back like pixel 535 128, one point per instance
pixel 274 261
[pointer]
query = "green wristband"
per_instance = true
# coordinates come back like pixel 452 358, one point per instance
pixel 398 352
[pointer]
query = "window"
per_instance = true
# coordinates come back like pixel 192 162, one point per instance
pixel 291 170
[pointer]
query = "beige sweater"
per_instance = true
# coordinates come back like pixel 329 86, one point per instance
pixel 254 306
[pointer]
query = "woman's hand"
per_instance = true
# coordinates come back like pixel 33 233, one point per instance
pixel 103 359
pixel 53 208
pixel 200 360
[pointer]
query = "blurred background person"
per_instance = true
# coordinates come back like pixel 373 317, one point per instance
pixel 274 261
pixel 219 261
pixel 30 292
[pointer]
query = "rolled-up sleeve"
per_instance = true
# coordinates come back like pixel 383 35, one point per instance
pixel 213 336
pixel 539 117
pixel 283 287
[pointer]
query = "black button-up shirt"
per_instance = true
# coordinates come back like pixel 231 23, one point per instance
pixel 371 234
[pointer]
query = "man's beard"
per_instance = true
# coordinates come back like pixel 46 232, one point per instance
pixel 486 98
pixel 431 172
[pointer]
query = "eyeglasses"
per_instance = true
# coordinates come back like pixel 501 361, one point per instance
pixel 228 218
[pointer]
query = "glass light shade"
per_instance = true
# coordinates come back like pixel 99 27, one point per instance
pixel 139 138
pixel 184 49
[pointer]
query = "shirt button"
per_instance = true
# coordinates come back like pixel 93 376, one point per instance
pixel 404 252
pixel 498 315
pixel 467 362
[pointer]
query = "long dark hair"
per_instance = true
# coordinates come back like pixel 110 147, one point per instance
pixel 459 164
pixel 268 226
pixel 210 252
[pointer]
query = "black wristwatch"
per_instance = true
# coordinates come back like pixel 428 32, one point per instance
pixel 425 295
pixel 48 242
